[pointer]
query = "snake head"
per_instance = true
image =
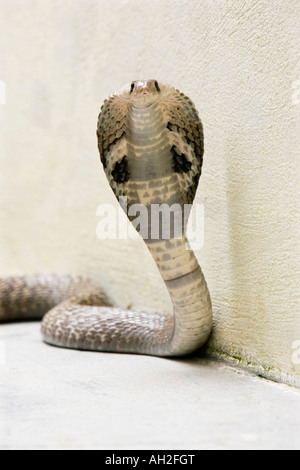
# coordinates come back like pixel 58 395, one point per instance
pixel 143 92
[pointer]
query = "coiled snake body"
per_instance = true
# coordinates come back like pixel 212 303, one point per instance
pixel 150 140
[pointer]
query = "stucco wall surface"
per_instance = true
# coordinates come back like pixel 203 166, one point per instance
pixel 238 60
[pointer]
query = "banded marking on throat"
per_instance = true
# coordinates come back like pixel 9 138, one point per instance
pixel 145 127
pixel 148 145
pixel 173 259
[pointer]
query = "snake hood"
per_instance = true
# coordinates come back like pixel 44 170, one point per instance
pixel 150 130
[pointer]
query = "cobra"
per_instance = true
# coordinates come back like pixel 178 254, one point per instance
pixel 150 139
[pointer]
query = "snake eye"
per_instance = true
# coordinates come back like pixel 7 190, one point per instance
pixel 131 87
pixel 156 85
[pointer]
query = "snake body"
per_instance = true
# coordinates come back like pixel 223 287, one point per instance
pixel 150 140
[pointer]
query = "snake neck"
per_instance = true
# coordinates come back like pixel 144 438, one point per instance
pixel 189 294
pixel 152 176
pixel 153 185
pixel 152 189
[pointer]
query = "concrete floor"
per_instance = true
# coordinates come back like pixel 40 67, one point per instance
pixel 53 398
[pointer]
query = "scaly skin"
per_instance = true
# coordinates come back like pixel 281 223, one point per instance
pixel 150 140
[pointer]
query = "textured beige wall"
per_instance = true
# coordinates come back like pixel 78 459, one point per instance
pixel 238 61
